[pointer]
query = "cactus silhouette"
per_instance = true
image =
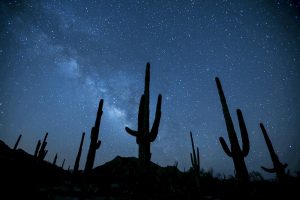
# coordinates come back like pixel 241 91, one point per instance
pixel 143 136
pixel 77 161
pixel 55 159
pixel 195 159
pixel 235 152
pixel 279 168
pixel 40 150
pixel 17 142
pixel 95 143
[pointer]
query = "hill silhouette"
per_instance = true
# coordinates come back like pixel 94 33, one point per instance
pixel 125 178
pixel 22 174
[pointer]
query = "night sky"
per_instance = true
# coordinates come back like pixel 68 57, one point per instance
pixel 58 58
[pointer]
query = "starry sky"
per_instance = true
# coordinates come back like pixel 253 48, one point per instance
pixel 58 58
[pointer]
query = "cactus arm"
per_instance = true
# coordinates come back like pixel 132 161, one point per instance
pixel 273 170
pixel 225 147
pixel 37 149
pixel 132 132
pixel 154 130
pixel 244 133
pixel 140 119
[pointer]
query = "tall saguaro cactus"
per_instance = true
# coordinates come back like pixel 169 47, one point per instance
pixel 279 168
pixel 17 142
pixel 143 136
pixel 235 151
pixel 77 161
pixel 195 159
pixel 95 143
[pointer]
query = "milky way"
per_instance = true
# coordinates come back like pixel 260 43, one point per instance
pixel 58 58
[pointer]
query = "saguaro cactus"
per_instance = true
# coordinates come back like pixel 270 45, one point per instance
pixel 95 143
pixel 143 136
pixel 195 159
pixel 77 161
pixel 17 143
pixel 279 168
pixel 235 151
pixel 40 150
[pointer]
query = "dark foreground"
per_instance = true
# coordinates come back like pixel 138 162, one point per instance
pixel 23 176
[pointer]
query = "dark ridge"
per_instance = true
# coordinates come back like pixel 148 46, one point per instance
pixel 127 178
